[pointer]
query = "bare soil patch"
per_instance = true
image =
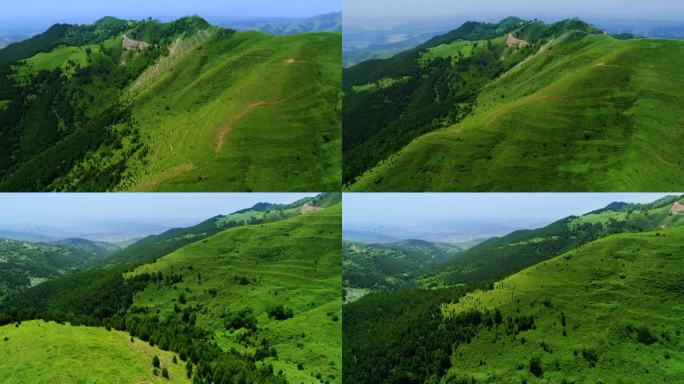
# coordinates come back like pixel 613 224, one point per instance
pixel 153 183
pixel 306 208
pixel 514 42
pixel 227 127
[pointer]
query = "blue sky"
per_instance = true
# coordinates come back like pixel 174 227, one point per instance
pixel 639 9
pixel 410 208
pixel 51 209
pixel 94 9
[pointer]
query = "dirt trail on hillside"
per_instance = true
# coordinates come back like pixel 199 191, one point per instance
pixel 227 127
pixel 506 110
pixel 153 183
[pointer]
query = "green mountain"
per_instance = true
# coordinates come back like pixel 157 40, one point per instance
pixel 610 311
pixel 491 107
pixel 147 106
pixel 605 307
pixel 152 247
pixel 330 22
pixel 373 267
pixel 25 264
pixel 499 257
pixel 254 303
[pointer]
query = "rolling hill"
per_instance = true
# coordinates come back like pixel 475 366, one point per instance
pixel 610 311
pixel 499 257
pixel 76 355
pixel 149 106
pixel 558 304
pixel 493 107
pixel 255 302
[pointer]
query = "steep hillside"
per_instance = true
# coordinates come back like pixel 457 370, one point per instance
pixel 36 351
pixel 609 311
pixel 573 109
pixel 271 289
pixel 152 247
pixel 395 265
pixel 25 264
pixel 499 257
pixel 149 106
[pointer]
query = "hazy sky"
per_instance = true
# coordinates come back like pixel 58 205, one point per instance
pixel 94 9
pixel 409 208
pixel 67 209
pixel 659 9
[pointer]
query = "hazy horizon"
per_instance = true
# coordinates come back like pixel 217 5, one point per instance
pixel 81 11
pixel 98 215
pixel 388 11
pixel 464 216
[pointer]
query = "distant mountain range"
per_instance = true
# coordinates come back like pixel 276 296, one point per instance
pixel 330 22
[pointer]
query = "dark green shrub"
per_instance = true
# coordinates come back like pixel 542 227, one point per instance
pixel 280 312
pixel 536 367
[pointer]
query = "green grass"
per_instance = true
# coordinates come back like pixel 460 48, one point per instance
pixel 208 90
pixel 40 352
pixel 456 49
pixel 594 114
pixel 57 58
pixel 294 262
pixel 380 84
pixel 604 289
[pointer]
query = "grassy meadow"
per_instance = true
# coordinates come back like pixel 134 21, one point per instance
pixel 246 112
pixel 42 352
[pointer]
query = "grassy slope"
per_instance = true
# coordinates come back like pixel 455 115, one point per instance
pixel 295 262
pixel 50 353
pixel 596 114
pixel 292 143
pixel 627 279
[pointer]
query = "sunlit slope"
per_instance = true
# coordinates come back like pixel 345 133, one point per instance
pixel 40 352
pixel 586 113
pixel 610 311
pixel 243 111
pixel 294 262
